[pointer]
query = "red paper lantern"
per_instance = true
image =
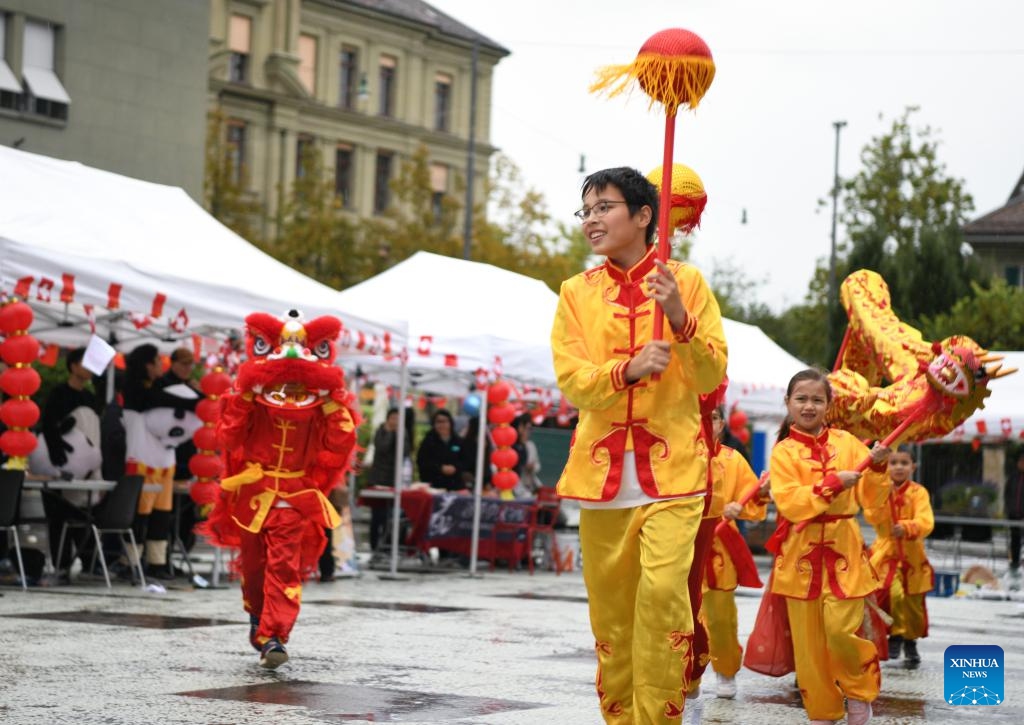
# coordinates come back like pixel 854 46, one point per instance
pixel 503 413
pixel 205 438
pixel 205 465
pixel 737 420
pixel 19 413
pixel 505 480
pixel 205 492
pixel 17 382
pixel 498 393
pixel 743 434
pixel 215 383
pixel 20 350
pixel 15 317
pixel 17 443
pixel 504 458
pixel 504 436
pixel 208 410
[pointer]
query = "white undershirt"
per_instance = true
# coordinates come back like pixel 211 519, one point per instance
pixel 630 495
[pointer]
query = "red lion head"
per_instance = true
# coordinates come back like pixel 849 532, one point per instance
pixel 290 361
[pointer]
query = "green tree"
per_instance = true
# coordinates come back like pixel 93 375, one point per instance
pixel 519 232
pixel 903 218
pixel 224 187
pixel 418 219
pixel 993 317
pixel 316 237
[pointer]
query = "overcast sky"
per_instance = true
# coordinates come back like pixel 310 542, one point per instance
pixel 762 139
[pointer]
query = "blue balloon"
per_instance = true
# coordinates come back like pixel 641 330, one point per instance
pixel 471 405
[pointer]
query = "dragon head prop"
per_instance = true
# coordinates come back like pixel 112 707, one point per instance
pixel 290 361
pixel 886 373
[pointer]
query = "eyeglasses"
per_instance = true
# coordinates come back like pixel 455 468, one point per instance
pixel 598 210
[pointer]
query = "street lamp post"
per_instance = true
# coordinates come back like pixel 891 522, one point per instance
pixel 832 290
pixel 467 240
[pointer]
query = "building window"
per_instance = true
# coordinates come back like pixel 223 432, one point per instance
pixel 240 45
pixel 343 174
pixel 304 148
pixel 236 151
pixel 438 187
pixel 307 62
pixel 45 94
pixel 349 89
pixel 382 182
pixel 442 102
pixel 388 77
pixel 10 89
pixel 1014 275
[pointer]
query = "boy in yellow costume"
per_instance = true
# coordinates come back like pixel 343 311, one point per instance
pixel 903 522
pixel 821 565
pixel 734 477
pixel 637 463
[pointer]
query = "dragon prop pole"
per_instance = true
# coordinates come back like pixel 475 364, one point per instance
pixel 674 68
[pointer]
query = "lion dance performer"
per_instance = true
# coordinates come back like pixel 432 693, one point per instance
pixel 288 428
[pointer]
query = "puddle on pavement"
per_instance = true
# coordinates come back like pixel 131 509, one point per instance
pixel 338 703
pixel 577 654
pixel 393 606
pixel 126 619
pixel 543 597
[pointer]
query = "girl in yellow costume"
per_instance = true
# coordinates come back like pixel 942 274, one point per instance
pixel 822 567
pixel 903 523
pixel 637 463
pixel 733 477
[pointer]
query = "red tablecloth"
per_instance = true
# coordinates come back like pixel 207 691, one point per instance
pixel 445 520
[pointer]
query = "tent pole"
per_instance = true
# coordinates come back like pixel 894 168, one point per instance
pixel 396 514
pixel 478 481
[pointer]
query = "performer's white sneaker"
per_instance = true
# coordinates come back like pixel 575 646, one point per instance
pixel 858 712
pixel 726 688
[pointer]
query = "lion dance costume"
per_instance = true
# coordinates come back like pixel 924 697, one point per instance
pixel 288 429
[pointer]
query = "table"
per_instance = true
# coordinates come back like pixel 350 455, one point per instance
pixel 958 523
pixel 445 520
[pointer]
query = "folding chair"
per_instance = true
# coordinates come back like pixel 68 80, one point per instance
pixel 114 516
pixel 10 503
pixel 543 520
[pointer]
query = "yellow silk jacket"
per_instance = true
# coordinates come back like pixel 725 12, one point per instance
pixel 736 479
pixel 603 319
pixel 829 550
pixel 910 506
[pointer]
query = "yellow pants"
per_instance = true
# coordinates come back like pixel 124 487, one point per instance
pixel 162 500
pixel 909 616
pixel 636 563
pixel 831 660
pixel 720 618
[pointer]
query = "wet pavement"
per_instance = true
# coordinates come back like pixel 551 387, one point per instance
pixel 501 649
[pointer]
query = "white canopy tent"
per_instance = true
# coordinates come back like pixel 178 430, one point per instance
pixel 88 248
pixel 462 316
pixel 759 370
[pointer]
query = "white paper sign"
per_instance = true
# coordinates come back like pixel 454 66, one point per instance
pixel 97 355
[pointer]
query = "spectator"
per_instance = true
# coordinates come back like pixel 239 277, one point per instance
pixel 529 459
pixel 151 455
pixel 1013 495
pixel 180 373
pixel 382 470
pixel 468 455
pixel 439 455
pixel 70 412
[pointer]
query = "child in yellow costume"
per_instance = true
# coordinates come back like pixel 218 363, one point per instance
pixel 720 578
pixel 637 462
pixel 903 522
pixel 822 566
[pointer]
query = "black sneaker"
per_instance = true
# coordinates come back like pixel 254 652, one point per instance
pixel 273 654
pixel 896 646
pixel 910 649
pixel 254 624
